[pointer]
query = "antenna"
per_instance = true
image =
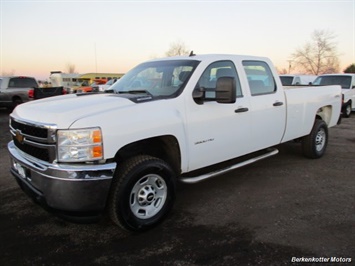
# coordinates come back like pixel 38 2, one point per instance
pixel 192 53
pixel 95 59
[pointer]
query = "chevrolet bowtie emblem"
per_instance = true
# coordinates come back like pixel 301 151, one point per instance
pixel 19 137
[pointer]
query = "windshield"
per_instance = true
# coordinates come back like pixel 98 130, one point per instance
pixel 164 79
pixel 110 82
pixel 343 81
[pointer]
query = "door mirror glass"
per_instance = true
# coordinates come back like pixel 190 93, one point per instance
pixel 226 90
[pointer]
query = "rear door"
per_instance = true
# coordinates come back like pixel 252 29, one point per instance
pixel 268 106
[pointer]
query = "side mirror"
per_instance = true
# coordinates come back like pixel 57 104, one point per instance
pixel 198 95
pixel 226 91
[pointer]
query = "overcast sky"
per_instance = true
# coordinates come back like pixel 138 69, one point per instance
pixel 113 36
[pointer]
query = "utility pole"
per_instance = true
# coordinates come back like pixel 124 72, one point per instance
pixel 95 59
pixel 289 66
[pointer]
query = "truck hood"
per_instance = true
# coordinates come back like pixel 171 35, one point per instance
pixel 65 110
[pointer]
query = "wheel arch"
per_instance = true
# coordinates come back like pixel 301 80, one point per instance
pixel 164 147
pixel 325 113
pixel 16 98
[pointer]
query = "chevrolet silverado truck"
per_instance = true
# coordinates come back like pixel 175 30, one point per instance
pixel 347 83
pixel 167 120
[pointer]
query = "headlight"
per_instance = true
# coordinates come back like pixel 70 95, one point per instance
pixel 79 145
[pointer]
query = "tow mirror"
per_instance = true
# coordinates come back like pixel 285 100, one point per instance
pixel 198 95
pixel 226 91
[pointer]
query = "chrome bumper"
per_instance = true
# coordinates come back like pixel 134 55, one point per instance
pixel 65 187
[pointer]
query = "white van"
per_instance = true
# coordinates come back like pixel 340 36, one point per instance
pixel 289 80
pixel 59 79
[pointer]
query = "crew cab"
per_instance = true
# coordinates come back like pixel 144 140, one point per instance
pixel 347 83
pixel 15 90
pixel 175 119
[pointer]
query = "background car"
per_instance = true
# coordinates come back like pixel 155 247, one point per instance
pixel 15 90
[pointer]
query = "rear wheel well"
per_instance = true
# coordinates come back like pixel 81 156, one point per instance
pixel 163 147
pixel 16 100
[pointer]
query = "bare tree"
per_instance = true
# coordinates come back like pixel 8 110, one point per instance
pixel 282 71
pixel 70 68
pixel 8 73
pixel 319 56
pixel 177 48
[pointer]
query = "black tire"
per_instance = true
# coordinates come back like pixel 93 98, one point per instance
pixel 16 101
pixel 142 193
pixel 315 144
pixel 347 110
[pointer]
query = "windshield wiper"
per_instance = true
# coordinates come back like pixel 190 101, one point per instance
pixel 136 92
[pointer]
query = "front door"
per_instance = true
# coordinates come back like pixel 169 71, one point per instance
pixel 217 132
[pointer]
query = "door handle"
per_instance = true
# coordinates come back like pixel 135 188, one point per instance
pixel 241 110
pixel 278 103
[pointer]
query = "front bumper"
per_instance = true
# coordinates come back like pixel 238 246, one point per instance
pixel 75 188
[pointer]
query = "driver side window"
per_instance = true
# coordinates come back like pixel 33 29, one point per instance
pixel 208 80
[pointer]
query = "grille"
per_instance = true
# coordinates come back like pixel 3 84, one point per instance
pixel 30 130
pixel 35 141
pixel 40 153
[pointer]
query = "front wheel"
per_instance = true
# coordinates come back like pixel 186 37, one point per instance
pixel 315 144
pixel 142 193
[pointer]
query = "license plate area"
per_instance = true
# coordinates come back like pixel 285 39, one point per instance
pixel 22 171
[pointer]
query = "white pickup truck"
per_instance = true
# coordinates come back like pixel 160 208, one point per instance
pixel 174 119
pixel 347 83
pixel 289 80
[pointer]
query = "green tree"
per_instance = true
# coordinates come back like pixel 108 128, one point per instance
pixel 350 69
pixel 319 56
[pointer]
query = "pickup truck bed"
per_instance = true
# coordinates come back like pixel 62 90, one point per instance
pixel 40 93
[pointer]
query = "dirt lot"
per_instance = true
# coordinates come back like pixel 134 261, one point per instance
pixel 268 213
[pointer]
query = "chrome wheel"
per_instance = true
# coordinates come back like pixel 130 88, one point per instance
pixel 320 139
pixel 315 144
pixel 148 196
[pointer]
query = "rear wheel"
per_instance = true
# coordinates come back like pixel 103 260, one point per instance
pixel 16 101
pixel 347 110
pixel 142 193
pixel 315 144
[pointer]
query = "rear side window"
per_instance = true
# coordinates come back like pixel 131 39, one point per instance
pixel 260 79
pixel 286 81
pixel 22 82
pixel 343 81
